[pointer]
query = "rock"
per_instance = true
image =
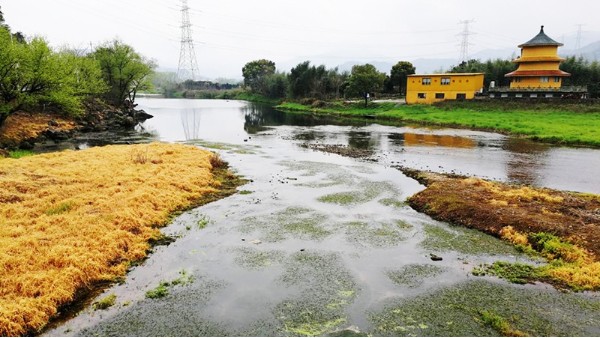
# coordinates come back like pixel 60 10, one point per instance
pixel 435 257
pixel 255 241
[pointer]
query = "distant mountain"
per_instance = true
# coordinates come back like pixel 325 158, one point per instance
pixel 590 52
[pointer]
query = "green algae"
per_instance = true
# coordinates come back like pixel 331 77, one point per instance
pixel 343 198
pixel 373 234
pixel 518 273
pixel 162 290
pixel 292 222
pixel 464 240
pixel 105 302
pixel 413 275
pixel 456 311
pixel 251 258
pixel 392 202
pixel 326 289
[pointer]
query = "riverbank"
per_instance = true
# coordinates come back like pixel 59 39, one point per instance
pixel 561 227
pixel 566 124
pixel 68 223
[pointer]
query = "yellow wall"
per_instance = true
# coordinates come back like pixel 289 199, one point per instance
pixel 467 84
pixel 532 51
pixel 534 82
pixel 539 66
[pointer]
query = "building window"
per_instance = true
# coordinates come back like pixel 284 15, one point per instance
pixel 461 96
pixel 519 95
pixel 421 95
pixel 445 81
pixel 543 79
pixel 549 95
pixel 557 79
pixel 439 95
pixel 426 81
pixel 517 79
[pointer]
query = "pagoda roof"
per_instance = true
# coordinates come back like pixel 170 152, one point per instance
pixel 528 73
pixel 541 40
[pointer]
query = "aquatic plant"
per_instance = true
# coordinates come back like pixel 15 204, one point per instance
pixel 500 324
pixel 65 227
pixel 105 302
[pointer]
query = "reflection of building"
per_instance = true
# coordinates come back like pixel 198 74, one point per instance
pixel 431 88
pixel 538 74
pixel 438 140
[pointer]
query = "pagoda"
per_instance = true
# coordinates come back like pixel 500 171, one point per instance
pixel 538 64
pixel 538 73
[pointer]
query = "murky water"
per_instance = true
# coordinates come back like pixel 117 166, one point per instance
pixel 319 244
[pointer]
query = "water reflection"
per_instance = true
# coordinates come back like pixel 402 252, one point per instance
pixel 452 141
pixel 190 121
pixel 526 161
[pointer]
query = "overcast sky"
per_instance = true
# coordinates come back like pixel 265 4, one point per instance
pixel 229 33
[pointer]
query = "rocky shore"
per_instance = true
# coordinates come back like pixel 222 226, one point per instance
pixel 23 129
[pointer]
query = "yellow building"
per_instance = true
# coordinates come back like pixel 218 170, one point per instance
pixel 430 88
pixel 538 64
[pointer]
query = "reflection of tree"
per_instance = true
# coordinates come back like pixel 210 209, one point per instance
pixel 190 120
pixel 526 160
pixel 362 140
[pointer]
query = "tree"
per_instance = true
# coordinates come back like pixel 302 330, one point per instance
pixel 255 74
pixel 364 79
pixel 399 73
pixel 494 70
pixel 32 76
pixel 124 71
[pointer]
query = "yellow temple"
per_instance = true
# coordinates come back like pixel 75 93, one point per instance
pixel 538 74
pixel 538 64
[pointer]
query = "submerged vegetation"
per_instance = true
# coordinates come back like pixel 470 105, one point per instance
pixel 558 226
pixel 65 228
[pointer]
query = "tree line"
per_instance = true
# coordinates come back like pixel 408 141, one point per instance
pixel 318 82
pixel 34 77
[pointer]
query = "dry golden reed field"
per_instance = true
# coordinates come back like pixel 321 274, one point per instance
pixel 72 219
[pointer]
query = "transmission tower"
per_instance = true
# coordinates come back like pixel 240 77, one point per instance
pixel 578 39
pixel 188 67
pixel 464 45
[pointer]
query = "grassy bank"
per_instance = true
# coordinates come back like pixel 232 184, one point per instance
pixel 569 124
pixel 73 219
pixel 558 226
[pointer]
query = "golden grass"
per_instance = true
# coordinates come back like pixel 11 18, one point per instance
pixel 505 194
pixel 22 126
pixel 71 219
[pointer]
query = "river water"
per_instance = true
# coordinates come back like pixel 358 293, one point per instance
pixel 322 244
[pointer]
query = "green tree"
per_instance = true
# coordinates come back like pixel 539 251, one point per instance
pixel 364 79
pixel 494 70
pixel 399 73
pixel 124 70
pixel 32 76
pixel 255 74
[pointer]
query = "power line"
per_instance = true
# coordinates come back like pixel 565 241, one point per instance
pixel 464 45
pixel 188 67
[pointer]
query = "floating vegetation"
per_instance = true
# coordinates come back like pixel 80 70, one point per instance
pixel 203 221
pixel 327 289
pixel 162 290
pixel 373 234
pixel 500 324
pixel 293 221
pixel 105 302
pixel 245 192
pixel 463 240
pixel 392 202
pixel 413 275
pixel 457 311
pixel 252 258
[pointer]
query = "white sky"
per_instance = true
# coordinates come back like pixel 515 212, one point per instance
pixel 229 33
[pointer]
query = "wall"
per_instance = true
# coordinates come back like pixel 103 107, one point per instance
pixel 459 84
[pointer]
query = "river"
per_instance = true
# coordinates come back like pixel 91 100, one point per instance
pixel 321 244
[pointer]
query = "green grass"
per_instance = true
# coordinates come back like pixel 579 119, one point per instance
pixel 20 153
pixel 105 302
pixel 568 124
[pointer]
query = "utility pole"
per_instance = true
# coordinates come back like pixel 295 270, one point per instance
pixel 464 45
pixel 188 67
